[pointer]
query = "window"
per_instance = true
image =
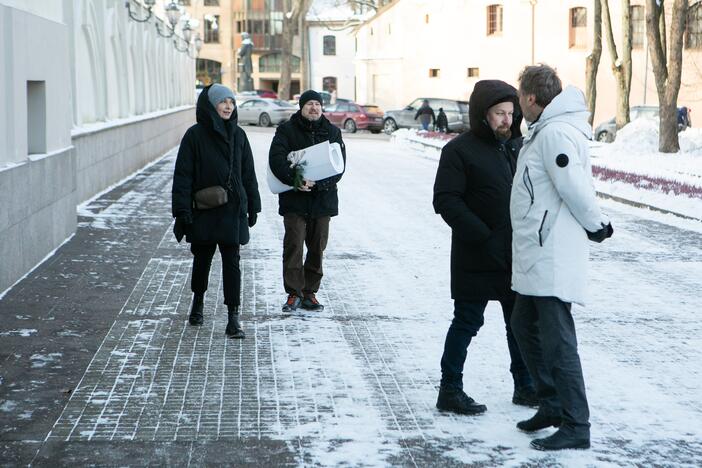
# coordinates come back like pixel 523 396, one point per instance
pixel 329 45
pixel 329 84
pixel 208 71
pixel 434 72
pixel 36 117
pixel 638 26
pixel 693 32
pixel 271 63
pixel 473 72
pixel 247 104
pixel 256 27
pixel 212 29
pixel 578 27
pixel 211 2
pixel 184 2
pixel 494 19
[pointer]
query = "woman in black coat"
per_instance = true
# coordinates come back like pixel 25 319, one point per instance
pixel 215 152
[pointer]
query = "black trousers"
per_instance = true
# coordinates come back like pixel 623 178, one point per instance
pixel 545 332
pixel 231 274
pixel 468 317
pixel 298 277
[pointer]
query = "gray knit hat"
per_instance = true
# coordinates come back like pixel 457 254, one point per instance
pixel 218 93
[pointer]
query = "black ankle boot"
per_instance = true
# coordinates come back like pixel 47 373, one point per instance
pixel 541 420
pixel 196 309
pixel 456 401
pixel 234 329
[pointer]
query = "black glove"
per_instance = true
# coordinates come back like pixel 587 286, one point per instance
pixel 252 219
pixel 182 223
pixel 604 233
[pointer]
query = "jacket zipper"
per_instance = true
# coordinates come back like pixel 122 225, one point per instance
pixel 541 244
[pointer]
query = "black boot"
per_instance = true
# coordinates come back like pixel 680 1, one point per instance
pixel 456 401
pixel 541 420
pixel 525 396
pixel 196 309
pixel 560 440
pixel 234 329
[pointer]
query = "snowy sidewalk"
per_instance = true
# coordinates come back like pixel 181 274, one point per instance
pixel 100 366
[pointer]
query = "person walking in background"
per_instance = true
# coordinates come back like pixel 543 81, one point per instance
pixel 215 198
pixel 308 209
pixel 471 193
pixel 425 114
pixel 442 121
pixel 554 211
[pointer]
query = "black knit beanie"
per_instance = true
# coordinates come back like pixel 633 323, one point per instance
pixel 310 95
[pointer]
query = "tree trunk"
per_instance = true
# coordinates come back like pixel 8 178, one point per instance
pixel 621 67
pixel 294 9
pixel 286 57
pixel 304 45
pixel 592 63
pixel 668 74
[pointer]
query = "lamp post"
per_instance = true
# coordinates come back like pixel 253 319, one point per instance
pixel 149 4
pixel 173 14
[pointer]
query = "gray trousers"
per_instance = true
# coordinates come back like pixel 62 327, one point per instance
pixel 545 332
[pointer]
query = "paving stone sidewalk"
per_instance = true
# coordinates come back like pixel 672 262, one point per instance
pixel 99 365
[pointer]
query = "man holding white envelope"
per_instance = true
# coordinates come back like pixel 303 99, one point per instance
pixel 309 205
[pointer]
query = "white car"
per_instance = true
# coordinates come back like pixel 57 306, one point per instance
pixel 265 112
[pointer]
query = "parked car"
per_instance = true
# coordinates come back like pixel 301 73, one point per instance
pixel 265 112
pixel 607 130
pixel 351 116
pixel 266 93
pixel 456 112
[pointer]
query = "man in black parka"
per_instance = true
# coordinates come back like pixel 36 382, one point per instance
pixel 308 209
pixel 210 151
pixel 471 193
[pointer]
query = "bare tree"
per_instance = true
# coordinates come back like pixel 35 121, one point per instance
pixel 592 62
pixel 621 66
pixel 668 74
pixel 293 9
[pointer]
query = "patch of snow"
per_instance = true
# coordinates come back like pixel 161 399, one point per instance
pixel 41 360
pixel 24 332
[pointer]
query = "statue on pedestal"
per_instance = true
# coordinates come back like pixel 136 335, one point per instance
pixel 245 65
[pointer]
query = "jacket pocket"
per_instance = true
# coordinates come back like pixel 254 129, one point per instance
pixel 542 234
pixel 529 186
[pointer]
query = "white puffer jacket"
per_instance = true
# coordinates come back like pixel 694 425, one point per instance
pixel 553 203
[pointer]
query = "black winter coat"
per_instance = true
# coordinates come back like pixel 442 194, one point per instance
pixel 296 134
pixel 472 194
pixel 204 160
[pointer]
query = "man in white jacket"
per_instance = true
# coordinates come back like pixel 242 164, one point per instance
pixel 554 211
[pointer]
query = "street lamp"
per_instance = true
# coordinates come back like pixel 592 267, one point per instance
pixel 149 4
pixel 173 14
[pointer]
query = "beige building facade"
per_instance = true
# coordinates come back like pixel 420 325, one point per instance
pixel 441 48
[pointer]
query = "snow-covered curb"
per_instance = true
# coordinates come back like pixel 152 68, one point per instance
pixel 628 169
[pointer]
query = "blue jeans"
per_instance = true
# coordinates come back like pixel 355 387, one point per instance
pixel 467 320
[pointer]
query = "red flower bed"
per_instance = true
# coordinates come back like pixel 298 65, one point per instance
pixel 648 182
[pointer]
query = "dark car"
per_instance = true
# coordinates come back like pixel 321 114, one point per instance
pixel 607 130
pixel 351 116
pixel 456 113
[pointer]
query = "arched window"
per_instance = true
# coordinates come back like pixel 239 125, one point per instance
pixel 208 72
pixel 693 32
pixel 271 63
pixel 494 19
pixel 577 36
pixel 329 45
pixel 329 84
